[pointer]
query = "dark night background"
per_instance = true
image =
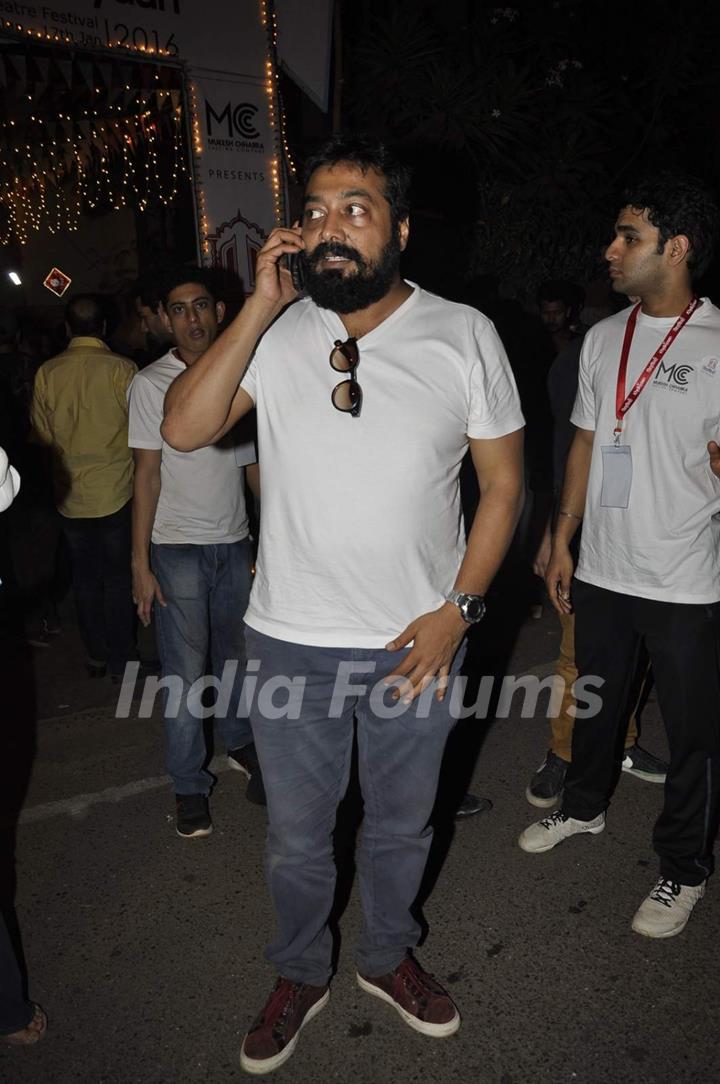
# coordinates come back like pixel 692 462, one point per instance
pixel 523 122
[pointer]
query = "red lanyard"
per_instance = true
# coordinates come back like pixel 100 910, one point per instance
pixel 623 402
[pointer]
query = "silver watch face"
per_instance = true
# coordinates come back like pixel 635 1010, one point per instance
pixel 473 608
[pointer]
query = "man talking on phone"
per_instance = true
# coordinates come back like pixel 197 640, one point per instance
pixel 368 392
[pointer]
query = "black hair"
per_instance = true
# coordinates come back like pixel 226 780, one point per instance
pixel 367 153
pixel 678 204
pixel 148 288
pixel 571 295
pixel 85 315
pixel 180 276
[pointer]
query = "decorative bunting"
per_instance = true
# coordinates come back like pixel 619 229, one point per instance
pixel 61 70
pixel 84 134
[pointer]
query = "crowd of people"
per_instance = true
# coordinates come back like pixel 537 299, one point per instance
pixel 350 408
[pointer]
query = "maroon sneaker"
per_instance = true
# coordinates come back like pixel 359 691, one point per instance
pixel 274 1033
pixel 421 1001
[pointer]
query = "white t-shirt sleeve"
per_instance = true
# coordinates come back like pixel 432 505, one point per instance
pixel 583 413
pixel 9 482
pixel 145 414
pixel 249 380
pixel 494 400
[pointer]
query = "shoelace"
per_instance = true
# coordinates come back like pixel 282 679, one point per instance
pixel 665 892
pixel 558 817
pixel 279 1002
pixel 419 982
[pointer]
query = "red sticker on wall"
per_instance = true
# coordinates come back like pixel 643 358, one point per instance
pixel 57 282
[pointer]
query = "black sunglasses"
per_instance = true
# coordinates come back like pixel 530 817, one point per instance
pixel 346 396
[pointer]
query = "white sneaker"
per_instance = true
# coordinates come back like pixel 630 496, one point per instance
pixel 546 834
pixel 665 912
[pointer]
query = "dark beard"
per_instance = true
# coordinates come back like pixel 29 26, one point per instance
pixel 350 293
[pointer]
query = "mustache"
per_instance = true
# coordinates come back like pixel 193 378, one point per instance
pixel 332 248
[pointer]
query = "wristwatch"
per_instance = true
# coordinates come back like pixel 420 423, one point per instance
pixel 471 607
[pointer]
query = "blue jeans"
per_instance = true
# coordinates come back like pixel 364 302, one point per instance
pixel 206 589
pixel 305 760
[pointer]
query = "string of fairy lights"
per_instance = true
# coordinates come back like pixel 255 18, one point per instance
pixel 59 37
pixel 121 154
pixel 276 113
pixel 95 159
pixel 197 150
pixel 268 22
pixel 71 166
pixel 282 128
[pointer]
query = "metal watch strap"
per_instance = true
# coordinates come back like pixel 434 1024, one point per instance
pixel 463 600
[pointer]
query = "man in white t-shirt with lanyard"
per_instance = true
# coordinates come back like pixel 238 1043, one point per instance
pixel 639 477
pixel 369 392
pixel 192 557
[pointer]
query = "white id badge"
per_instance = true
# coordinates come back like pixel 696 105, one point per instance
pixel 617 476
pixel 245 454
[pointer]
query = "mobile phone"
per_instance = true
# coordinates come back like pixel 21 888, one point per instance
pixel 296 270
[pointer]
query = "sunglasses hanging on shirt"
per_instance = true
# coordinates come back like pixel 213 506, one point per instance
pixel 346 396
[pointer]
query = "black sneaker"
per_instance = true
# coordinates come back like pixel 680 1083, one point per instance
pixel 245 760
pixel 470 805
pixel 547 784
pixel 193 816
pixel 644 765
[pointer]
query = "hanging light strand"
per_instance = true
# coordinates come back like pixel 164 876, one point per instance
pixel 267 18
pixel 197 153
pixel 80 174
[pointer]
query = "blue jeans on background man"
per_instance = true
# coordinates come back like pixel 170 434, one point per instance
pixel 305 763
pixel 206 588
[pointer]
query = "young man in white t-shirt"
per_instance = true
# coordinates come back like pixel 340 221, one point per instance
pixel 368 393
pixel 192 558
pixel 639 478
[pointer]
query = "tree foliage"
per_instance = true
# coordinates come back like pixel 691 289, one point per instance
pixel 544 108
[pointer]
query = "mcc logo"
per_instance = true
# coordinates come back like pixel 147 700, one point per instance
pixel 676 374
pixel 232 121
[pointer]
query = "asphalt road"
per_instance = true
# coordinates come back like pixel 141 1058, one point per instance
pixel 147 950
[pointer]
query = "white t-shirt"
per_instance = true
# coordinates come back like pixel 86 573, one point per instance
pixel 361 521
pixel 202 499
pixel 665 545
pixel 9 482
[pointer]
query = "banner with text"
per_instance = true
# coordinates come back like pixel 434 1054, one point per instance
pixel 225 37
pixel 235 172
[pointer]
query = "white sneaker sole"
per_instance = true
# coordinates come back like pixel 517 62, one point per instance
pixel 532 849
pixel 647 776
pixel 197 834
pixel 268 1065
pixel 542 803
pixel 236 767
pixel 659 935
pixel 436 1031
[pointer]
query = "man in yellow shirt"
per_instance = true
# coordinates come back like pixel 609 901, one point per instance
pixel 79 411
